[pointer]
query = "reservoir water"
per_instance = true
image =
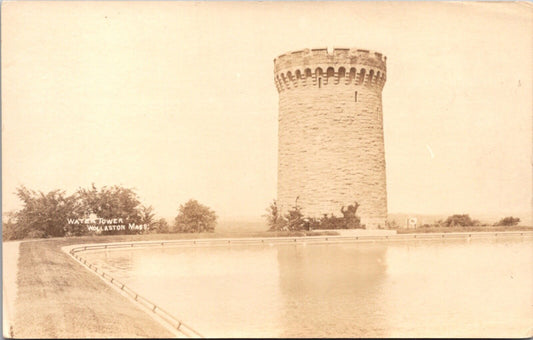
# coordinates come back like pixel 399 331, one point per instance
pixel 426 288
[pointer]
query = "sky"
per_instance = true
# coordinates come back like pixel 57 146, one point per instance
pixel 177 99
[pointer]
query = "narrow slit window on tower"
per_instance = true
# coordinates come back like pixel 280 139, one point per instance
pixel 355 96
pixel 319 82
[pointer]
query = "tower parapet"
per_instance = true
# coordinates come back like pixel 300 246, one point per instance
pixel 341 66
pixel 331 147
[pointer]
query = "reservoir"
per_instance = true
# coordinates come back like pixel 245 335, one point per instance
pixel 418 288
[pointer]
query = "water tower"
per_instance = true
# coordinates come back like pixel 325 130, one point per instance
pixel 331 151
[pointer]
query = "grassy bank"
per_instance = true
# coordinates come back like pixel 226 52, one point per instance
pixel 435 229
pixel 57 298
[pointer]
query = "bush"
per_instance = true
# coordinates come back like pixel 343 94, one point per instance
pixel 508 221
pixel 37 234
pixel 274 219
pixel 10 231
pixel 459 220
pixel 391 224
pixel 294 220
pixel 161 226
pixel 331 222
pixel 351 220
pixel 194 217
pixel 311 223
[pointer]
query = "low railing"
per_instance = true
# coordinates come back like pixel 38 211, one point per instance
pixel 162 313
pixel 298 239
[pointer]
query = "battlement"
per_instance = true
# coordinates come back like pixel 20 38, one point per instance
pixel 338 56
pixel 318 67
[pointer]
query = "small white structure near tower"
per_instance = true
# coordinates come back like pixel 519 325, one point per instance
pixel 412 222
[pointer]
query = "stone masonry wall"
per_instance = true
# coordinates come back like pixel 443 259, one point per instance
pixel 331 150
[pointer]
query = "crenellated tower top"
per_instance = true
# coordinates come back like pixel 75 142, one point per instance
pixel 348 66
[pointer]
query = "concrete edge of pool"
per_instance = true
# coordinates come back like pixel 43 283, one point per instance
pixel 168 321
pixel 180 329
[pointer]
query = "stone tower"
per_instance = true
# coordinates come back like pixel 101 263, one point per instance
pixel 331 151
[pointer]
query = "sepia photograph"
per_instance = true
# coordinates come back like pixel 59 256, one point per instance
pixel 280 169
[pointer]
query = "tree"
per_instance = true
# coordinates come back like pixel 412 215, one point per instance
pixel 45 215
pixel 147 216
pixel 9 227
pixel 53 214
pixel 194 217
pixel 295 217
pixel 508 221
pixel 114 202
pixel 274 218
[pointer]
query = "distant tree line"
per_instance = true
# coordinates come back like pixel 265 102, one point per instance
pixel 463 220
pixel 294 219
pixel 56 214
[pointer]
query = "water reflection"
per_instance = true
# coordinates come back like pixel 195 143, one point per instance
pixel 124 262
pixel 441 288
pixel 327 289
pixel 219 291
pixel 458 288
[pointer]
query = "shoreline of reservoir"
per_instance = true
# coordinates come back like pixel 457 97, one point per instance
pixel 49 281
pixel 378 236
